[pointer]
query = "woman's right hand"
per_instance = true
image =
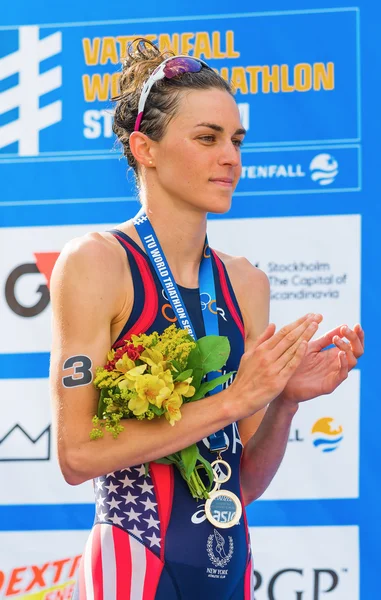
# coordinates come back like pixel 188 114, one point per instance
pixel 270 361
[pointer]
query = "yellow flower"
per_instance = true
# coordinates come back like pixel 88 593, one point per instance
pixel 152 388
pixel 124 364
pixel 155 360
pixel 110 354
pixel 175 344
pixel 100 375
pixel 172 408
pixel 131 376
pixel 138 405
pixel 184 388
pixel 145 340
pixel 136 371
pixel 166 376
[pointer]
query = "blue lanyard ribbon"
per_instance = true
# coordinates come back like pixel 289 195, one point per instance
pixel 206 288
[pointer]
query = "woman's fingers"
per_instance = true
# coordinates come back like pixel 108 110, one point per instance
pixel 288 354
pixel 356 341
pixel 291 339
pixel 360 332
pixel 343 371
pixel 347 350
pixel 251 344
pixel 292 364
pixel 287 330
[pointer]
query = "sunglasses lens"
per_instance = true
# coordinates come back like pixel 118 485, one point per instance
pixel 177 66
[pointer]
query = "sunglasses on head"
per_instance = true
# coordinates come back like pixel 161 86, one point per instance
pixel 170 67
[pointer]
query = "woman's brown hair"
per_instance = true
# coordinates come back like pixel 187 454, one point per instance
pixel 142 59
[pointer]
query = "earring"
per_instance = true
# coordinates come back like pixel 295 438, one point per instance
pixel 150 162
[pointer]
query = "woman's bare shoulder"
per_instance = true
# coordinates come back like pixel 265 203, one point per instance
pixel 252 289
pixel 242 272
pixel 98 249
pixel 92 259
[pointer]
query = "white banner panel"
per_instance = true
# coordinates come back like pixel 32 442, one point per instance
pixel 306 563
pixel 307 267
pixel 313 263
pixel 28 461
pixel 322 456
pixel 290 563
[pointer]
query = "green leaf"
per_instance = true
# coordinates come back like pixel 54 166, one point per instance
pixel 176 364
pixel 214 350
pixel 189 458
pixel 164 461
pixel 208 386
pixel 209 471
pixel 194 363
pixel 156 410
pixel 184 375
pixel 146 469
pixel 101 402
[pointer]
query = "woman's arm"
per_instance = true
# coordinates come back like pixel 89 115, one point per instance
pixel 265 434
pixel 85 301
pixel 264 451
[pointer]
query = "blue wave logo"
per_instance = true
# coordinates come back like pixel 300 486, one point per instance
pixel 324 169
pixel 325 436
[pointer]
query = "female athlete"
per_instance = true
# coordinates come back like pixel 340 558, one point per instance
pixel 180 129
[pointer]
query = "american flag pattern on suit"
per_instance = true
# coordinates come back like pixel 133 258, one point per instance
pixel 127 535
pixel 127 499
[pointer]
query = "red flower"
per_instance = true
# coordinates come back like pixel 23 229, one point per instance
pixel 132 352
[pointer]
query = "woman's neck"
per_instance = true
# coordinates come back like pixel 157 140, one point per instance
pixel 181 232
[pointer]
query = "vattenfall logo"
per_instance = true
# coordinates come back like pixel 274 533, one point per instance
pixel 323 170
pixel 29 91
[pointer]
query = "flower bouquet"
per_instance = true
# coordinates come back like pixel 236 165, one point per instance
pixel 152 376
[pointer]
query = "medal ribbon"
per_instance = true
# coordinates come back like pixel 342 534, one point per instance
pixel 206 288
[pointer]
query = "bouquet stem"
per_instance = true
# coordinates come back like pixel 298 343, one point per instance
pixel 189 470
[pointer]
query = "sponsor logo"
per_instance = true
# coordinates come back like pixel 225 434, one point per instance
pixel 44 264
pixel 211 305
pixel 301 583
pixel 31 87
pixel 272 171
pixel 324 169
pixel 220 552
pixel 52 580
pixel 17 445
pixel 325 435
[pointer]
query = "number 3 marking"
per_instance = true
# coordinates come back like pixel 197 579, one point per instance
pixel 82 371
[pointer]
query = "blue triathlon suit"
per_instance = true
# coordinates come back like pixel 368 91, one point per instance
pixel 151 539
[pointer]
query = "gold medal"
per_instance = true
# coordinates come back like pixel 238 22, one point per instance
pixel 223 508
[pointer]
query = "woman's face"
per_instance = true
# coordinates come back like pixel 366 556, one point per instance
pixel 198 160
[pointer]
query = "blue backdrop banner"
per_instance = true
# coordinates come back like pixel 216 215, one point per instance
pixel 305 211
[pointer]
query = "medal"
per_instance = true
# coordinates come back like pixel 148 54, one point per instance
pixel 223 509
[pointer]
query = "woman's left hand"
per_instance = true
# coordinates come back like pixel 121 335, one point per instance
pixel 322 371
